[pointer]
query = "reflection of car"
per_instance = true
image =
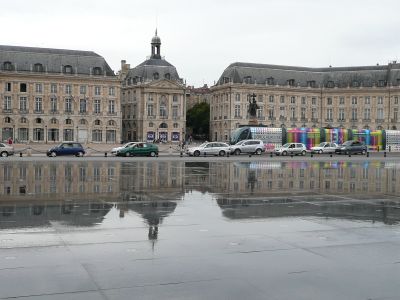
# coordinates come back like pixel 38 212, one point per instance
pixel 6 150
pixel 67 148
pixel 324 147
pixel 209 148
pixel 139 149
pixel 291 148
pixel 248 146
pixel 115 150
pixel 351 147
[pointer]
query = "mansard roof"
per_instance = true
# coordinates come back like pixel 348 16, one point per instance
pixel 23 59
pixel 367 76
pixel 148 69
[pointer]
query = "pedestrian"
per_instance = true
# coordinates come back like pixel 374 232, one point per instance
pixel 10 140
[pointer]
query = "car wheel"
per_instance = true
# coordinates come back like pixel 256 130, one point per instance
pixel 347 152
pixel 4 154
pixel 320 151
pixel 80 154
pixel 363 152
pixel 221 153
pixel 53 154
pixel 303 153
pixel 152 154
pixel 131 154
pixel 258 151
pixel 284 153
pixel 237 152
pixel 196 153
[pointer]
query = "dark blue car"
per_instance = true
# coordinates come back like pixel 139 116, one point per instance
pixel 67 148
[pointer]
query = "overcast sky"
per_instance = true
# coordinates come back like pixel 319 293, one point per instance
pixel 201 38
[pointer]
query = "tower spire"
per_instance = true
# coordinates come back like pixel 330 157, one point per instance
pixel 156 46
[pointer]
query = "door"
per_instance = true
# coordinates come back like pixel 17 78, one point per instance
pixel 82 135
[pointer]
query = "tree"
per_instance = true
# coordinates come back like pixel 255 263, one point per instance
pixel 198 120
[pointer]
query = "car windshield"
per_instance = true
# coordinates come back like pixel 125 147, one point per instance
pixel 348 143
pixel 203 145
pixel 321 145
pixel 286 145
pixel 240 143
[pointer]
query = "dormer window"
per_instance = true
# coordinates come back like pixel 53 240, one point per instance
pixel 167 76
pixel 381 83
pixel 38 68
pixel 97 71
pixel 156 76
pixel 7 66
pixel 311 83
pixel 226 80
pixel 330 84
pixel 291 82
pixel 247 79
pixel 355 83
pixel 68 69
pixel 270 81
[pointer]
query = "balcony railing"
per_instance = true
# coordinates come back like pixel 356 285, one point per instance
pixel 366 120
pixel 328 120
pixel 38 111
pixel 293 119
pixel 282 118
pixel 54 112
pixel 379 120
pixel 314 120
pixel 7 111
pixel 394 120
pixel 341 120
pixel 304 119
pixel 271 118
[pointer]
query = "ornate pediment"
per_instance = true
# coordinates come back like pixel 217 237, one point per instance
pixel 167 84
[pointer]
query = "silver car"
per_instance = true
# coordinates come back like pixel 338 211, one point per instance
pixel 209 148
pixel 6 150
pixel 324 147
pixel 291 148
pixel 248 146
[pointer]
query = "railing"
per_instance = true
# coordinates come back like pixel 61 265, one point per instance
pixel 366 120
pixel 379 120
pixel 314 120
pixel 293 119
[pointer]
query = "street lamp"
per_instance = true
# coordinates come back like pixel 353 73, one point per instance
pixel 77 133
pixel 45 133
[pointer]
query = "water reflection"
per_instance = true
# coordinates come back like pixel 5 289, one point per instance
pixel 35 194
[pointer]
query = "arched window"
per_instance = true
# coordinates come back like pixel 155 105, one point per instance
pixel 23 120
pixel 156 76
pixel 68 69
pixel 7 120
pixel 151 124
pixel 68 121
pixel 38 121
pixel 163 125
pixel 97 71
pixel 38 68
pixel 167 76
pixel 53 121
pixel 97 122
pixel 111 123
pixel 7 66
pixel 82 122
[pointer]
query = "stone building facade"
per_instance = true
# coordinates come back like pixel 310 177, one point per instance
pixel 153 99
pixel 197 95
pixel 52 95
pixel 350 97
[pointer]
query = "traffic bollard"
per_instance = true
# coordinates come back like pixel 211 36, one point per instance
pixel 20 154
pixel 105 154
pixel 367 154
pixel 384 154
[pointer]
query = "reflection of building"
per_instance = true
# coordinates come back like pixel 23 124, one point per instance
pixel 42 214
pixel 59 180
pixel 58 95
pixel 153 99
pixel 385 211
pixel 350 97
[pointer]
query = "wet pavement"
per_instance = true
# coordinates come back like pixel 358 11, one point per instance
pixel 199 229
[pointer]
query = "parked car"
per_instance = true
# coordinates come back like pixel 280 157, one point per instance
pixel 248 146
pixel 6 150
pixel 139 149
pixel 352 147
pixel 66 148
pixel 116 149
pixel 291 148
pixel 209 148
pixel 324 147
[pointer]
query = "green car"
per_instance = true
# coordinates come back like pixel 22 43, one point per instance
pixel 139 149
